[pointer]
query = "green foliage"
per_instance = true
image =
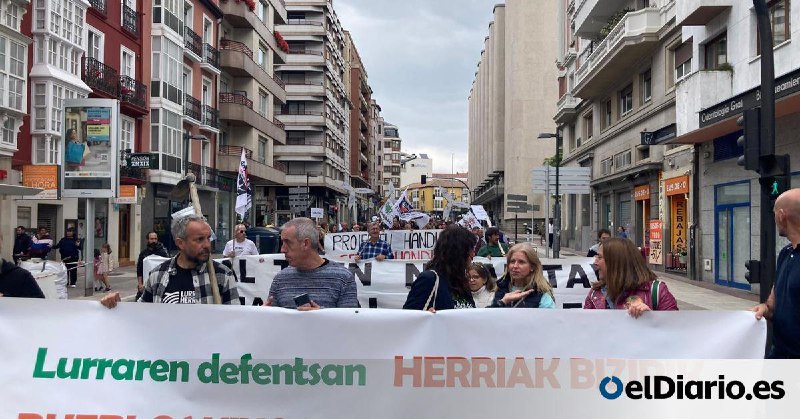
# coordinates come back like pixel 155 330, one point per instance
pixel 612 22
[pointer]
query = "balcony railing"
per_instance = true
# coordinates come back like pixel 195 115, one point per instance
pixel 192 41
pixel 133 92
pixel 235 150
pixel 303 22
pixel 205 175
pixel 191 107
pixel 100 76
pixel 130 20
pixel 210 116
pixel 279 81
pixel 231 45
pixel 99 5
pixel 304 51
pixel 297 112
pixel 211 56
pixel 236 98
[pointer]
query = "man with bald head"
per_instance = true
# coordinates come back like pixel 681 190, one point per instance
pixel 783 305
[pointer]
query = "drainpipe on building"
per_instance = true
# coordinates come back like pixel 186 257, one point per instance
pixel 694 269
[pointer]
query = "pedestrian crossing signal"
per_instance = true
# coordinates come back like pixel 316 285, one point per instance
pixel 775 185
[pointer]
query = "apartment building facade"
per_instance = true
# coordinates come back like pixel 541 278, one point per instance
pixel 251 96
pixel 392 160
pixel 509 106
pixel 362 134
pixel 317 110
pixel 720 56
pixel 79 50
pixel 13 107
pixel 430 197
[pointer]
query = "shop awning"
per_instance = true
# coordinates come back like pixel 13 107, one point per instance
pixel 16 190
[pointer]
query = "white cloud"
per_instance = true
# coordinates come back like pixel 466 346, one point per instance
pixel 420 58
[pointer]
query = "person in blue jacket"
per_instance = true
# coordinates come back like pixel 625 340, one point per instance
pixel 69 247
pixel 444 284
pixel 524 284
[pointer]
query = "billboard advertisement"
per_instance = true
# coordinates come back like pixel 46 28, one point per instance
pixel 90 148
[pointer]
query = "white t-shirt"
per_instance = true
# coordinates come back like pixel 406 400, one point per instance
pixel 550 229
pixel 247 247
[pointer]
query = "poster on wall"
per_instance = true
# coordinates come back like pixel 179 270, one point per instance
pixel 656 256
pixel 89 148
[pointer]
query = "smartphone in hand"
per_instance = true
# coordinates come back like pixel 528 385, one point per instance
pixel 302 300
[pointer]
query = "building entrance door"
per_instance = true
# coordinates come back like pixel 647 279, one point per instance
pixel 733 245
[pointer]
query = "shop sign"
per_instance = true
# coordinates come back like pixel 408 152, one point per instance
pixel 679 222
pixel 656 256
pixel 127 195
pixel 641 193
pixel 784 86
pixel 677 185
pixel 43 176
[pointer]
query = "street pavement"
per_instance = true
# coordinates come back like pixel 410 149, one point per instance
pixel 691 295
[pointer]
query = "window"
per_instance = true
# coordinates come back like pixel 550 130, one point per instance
pixel 40 13
pixel 261 58
pixel 778 13
pixel 261 11
pixel 67 14
pixel 683 60
pixel 127 128
pixel 57 109
pixel 716 52
pixel 588 126
pixel 12 15
pixel 607 114
pixel 605 167
pixel 40 106
pixel 626 100
pixel 75 63
pixel 47 150
pixel 622 160
pixel 9 129
pixel 645 87
pixel 55 18
pixel 94 48
pixel 262 150
pixel 12 68
pixel 262 103
pixel 166 137
pixel 126 63
pixel 167 60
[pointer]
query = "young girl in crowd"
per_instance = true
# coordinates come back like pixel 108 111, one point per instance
pixel 102 266
pixel 626 282
pixel 482 284
pixel 524 284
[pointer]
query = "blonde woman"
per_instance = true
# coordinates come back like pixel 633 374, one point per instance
pixel 524 284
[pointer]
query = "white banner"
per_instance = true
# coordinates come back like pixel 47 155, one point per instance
pixel 79 359
pixel 385 284
pixel 414 244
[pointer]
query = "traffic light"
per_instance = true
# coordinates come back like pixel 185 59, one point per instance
pixel 753 274
pixel 775 185
pixel 423 179
pixel 750 141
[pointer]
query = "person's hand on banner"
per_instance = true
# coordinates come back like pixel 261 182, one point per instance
pixel 311 306
pixel 269 303
pixel 636 307
pixel 111 299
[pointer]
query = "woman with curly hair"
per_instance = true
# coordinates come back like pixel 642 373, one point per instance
pixel 444 285
pixel 626 282
pixel 524 284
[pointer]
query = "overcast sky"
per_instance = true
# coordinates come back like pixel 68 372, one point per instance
pixel 420 57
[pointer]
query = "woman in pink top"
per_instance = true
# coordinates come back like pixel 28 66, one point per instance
pixel 626 282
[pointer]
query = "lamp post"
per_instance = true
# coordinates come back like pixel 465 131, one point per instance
pixel 557 226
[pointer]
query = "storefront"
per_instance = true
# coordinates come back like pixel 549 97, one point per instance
pixel 676 191
pixel 732 226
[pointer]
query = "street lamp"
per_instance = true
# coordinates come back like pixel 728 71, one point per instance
pixel 557 227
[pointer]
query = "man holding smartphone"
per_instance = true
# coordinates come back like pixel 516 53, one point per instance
pixel 309 282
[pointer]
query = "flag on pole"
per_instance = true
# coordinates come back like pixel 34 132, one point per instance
pixel 244 198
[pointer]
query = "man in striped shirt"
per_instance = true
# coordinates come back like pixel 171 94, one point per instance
pixel 327 284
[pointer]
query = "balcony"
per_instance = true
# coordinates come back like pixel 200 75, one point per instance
pixel 236 59
pixel 205 176
pixel 192 45
pixel 210 59
pixel 192 109
pixel 567 108
pixel 303 27
pixel 228 161
pixel 98 6
pixel 592 15
pixel 307 88
pixel 699 12
pixel 239 16
pixel 100 77
pixel 133 95
pixel 237 109
pixel 699 90
pixel 301 56
pixel 130 21
pixel 632 39
pixel 210 118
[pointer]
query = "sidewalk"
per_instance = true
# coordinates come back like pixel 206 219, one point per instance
pixel 691 295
